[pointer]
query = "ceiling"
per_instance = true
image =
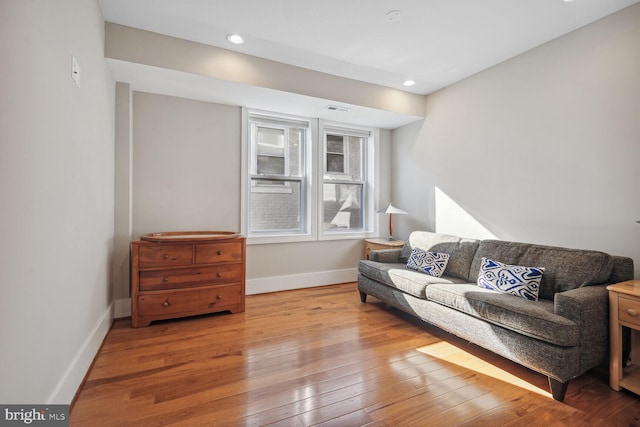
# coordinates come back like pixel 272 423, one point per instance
pixel 433 42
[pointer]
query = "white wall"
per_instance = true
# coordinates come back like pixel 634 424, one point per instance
pixel 122 233
pixel 56 184
pixel 186 165
pixel 541 148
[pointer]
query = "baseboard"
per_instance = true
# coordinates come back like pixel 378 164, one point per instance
pixel 298 281
pixel 272 284
pixel 68 386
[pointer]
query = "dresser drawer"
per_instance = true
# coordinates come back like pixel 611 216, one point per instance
pixel 190 277
pixel 188 302
pixel 629 310
pixel 218 252
pixel 165 255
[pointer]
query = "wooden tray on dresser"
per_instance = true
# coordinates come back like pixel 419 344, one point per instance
pixel 178 236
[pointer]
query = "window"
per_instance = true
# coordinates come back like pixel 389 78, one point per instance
pixel 306 180
pixel 270 150
pixel 278 198
pixel 344 206
pixel 335 153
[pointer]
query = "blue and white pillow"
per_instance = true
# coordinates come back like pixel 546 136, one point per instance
pixel 511 279
pixel 432 263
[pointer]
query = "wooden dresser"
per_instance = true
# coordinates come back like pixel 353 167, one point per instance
pixel 180 274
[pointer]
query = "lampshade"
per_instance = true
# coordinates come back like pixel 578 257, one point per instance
pixel 391 210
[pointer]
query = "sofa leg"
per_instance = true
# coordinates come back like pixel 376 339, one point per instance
pixel 363 297
pixel 558 389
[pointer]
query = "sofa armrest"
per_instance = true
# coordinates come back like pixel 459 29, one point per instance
pixel 622 269
pixel 385 255
pixel 588 307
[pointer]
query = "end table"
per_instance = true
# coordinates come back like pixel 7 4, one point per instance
pixel 377 244
pixel 624 310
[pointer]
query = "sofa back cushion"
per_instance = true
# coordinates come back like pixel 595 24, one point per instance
pixel 565 268
pixel 460 250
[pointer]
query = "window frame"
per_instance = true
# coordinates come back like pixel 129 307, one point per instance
pixel 368 177
pixel 313 160
pixel 249 174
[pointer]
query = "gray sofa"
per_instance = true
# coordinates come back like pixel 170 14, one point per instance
pixel 561 335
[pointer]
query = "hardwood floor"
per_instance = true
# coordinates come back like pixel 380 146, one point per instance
pixel 319 356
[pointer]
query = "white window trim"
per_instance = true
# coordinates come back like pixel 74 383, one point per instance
pixel 315 172
pixel 247 159
pixel 371 169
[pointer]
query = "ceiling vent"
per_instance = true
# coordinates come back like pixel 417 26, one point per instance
pixel 336 108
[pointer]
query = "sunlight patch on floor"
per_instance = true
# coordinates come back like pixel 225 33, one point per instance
pixel 444 351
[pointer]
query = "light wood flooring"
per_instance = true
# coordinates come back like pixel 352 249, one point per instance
pixel 319 356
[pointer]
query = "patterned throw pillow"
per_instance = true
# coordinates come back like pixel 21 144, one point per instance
pixel 511 279
pixel 432 263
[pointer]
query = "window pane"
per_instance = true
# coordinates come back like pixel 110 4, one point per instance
pixel 335 163
pixel 296 141
pixel 335 144
pixel 342 206
pixel 334 154
pixel 270 151
pixel 270 141
pixel 270 165
pixel 277 208
pixel 355 144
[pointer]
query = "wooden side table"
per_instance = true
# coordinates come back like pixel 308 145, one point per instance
pixel 377 244
pixel 624 310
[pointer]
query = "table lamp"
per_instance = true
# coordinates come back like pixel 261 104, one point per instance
pixel 391 210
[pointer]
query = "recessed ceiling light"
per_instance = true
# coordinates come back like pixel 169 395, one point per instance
pixel 235 38
pixel 409 82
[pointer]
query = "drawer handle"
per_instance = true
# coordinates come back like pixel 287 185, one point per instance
pixel 165 256
pixel 220 252
pixel 165 303
pixel 165 279
pixel 631 312
pixel 212 304
pixel 219 275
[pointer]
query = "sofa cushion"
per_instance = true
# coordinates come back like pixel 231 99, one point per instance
pixel 565 268
pixel 432 263
pixel 516 280
pixel 532 318
pixel 461 250
pixel 397 276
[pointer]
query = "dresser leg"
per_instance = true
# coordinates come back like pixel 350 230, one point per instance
pixel 137 323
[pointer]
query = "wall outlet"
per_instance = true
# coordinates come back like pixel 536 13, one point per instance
pixel 75 70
